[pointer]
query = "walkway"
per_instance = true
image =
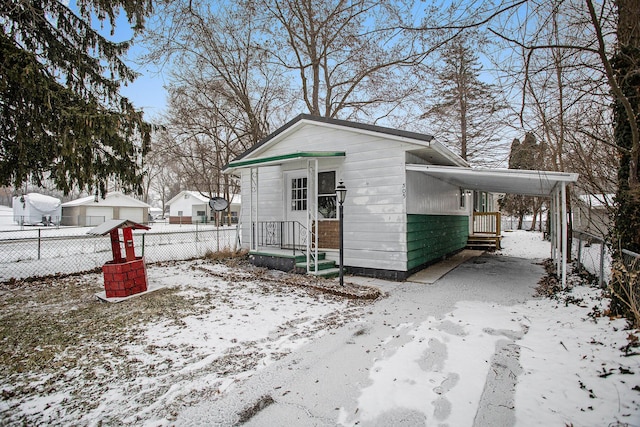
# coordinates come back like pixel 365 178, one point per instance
pixel 320 384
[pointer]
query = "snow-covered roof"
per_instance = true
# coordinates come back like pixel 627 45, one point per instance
pixel 112 224
pixel 115 198
pixel 41 202
pixel 235 199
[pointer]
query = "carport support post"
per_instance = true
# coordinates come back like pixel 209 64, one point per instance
pixel 558 233
pixel 565 246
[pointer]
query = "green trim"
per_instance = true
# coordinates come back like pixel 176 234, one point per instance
pixel 283 157
pixel 430 237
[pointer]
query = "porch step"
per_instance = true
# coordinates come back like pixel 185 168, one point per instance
pixel 303 258
pixel 323 264
pixel 328 273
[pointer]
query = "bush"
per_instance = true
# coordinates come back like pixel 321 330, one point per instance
pixel 625 291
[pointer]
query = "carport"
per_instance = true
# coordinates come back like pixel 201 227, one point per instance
pixel 547 184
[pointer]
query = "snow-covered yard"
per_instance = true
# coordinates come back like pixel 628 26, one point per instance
pixel 67 358
pixel 167 357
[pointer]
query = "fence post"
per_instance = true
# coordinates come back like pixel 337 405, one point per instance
pixel 39 241
pixel 579 250
pixel 601 264
pixel 144 234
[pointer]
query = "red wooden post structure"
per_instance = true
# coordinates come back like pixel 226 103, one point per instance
pixel 126 276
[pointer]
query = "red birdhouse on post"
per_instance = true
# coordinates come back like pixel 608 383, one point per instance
pixel 126 276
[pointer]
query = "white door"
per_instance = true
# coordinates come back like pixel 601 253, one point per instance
pixel 132 214
pixel 96 215
pixel 295 208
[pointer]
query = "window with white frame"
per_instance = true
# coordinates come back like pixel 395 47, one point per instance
pixel 299 194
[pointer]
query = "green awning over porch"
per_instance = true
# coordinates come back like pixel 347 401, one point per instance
pixel 283 158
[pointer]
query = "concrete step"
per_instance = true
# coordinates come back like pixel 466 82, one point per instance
pixel 327 273
pixel 301 267
pixel 303 258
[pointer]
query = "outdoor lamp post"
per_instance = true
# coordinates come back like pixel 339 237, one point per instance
pixel 341 191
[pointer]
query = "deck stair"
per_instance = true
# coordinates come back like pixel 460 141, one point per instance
pixel 486 233
pixel 489 242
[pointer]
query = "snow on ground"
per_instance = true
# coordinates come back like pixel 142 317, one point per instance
pixel 524 244
pixel 562 355
pixel 571 370
pixel 140 361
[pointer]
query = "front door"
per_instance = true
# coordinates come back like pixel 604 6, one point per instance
pixel 296 208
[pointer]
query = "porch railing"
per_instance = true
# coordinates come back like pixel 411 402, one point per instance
pixel 486 223
pixel 290 235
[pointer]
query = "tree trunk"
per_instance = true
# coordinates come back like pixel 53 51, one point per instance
pixel 627 75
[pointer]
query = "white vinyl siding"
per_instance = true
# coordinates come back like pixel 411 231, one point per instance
pixel 373 172
pixel 432 196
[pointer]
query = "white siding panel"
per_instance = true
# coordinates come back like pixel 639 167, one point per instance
pixel 429 195
pixel 381 260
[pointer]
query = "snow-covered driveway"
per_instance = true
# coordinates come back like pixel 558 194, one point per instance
pixel 473 349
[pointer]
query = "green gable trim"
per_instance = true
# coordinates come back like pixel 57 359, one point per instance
pixel 285 157
pixel 430 237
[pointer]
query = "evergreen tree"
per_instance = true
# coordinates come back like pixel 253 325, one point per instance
pixel 467 109
pixel 61 115
pixel 525 155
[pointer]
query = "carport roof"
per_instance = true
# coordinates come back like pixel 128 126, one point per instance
pixel 515 181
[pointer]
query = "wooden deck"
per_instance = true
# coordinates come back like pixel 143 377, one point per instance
pixel 486 231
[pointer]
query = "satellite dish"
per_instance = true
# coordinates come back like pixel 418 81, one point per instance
pixel 218 204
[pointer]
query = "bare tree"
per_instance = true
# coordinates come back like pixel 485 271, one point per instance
pixel 216 52
pixel 347 56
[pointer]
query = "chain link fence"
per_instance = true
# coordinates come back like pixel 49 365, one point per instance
pixel 591 253
pixel 49 251
pixel 631 260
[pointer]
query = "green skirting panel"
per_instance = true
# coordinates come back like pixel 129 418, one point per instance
pixel 430 237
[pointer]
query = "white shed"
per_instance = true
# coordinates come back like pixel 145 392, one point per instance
pixel 92 211
pixel 190 207
pixel 35 208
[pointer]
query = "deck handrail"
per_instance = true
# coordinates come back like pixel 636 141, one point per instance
pixel 487 223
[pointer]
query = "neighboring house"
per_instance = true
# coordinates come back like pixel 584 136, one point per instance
pixel 592 214
pixel 190 207
pixel 92 211
pixel 36 208
pixel 407 203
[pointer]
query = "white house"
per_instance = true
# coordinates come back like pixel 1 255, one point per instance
pixel 407 203
pixel 36 208
pixel 92 211
pixel 190 207
pixel 592 213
